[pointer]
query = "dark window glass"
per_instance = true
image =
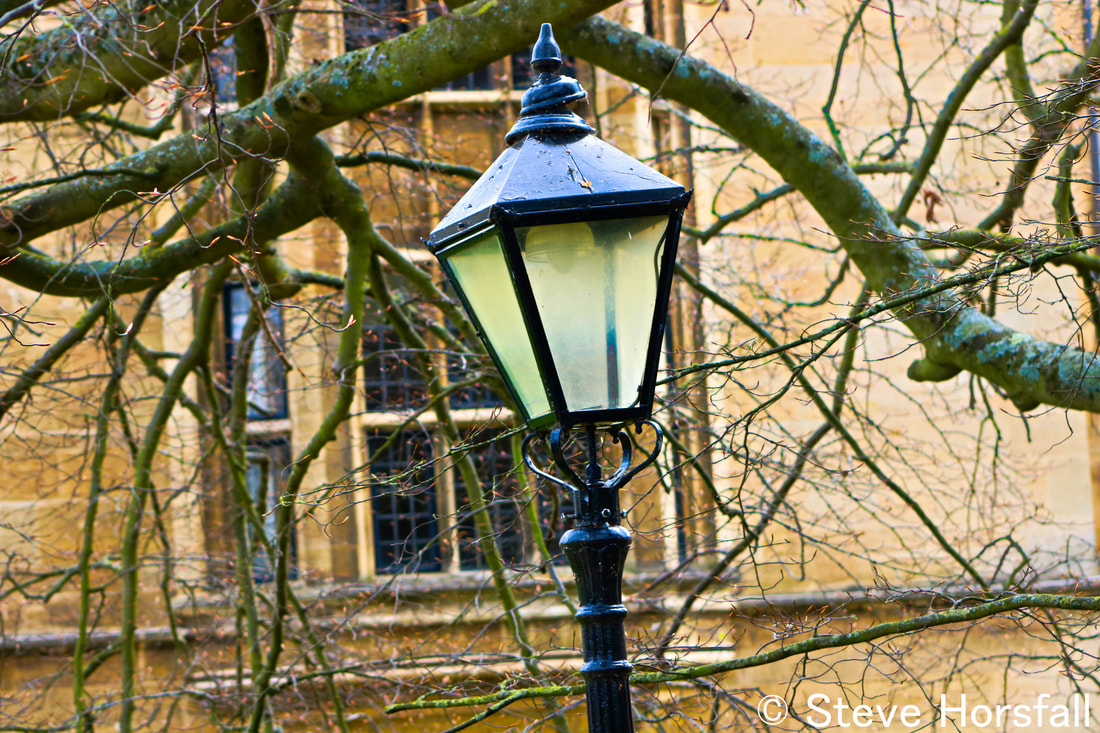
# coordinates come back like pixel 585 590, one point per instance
pixel 391 379
pixel 367 22
pixel 223 72
pixel 675 472
pixel 403 502
pixel 523 76
pixel 266 390
pixel 479 394
pixel 265 465
pixel 681 520
pixel 492 458
pixel 478 80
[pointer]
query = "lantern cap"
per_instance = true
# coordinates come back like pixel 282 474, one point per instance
pixel 546 55
pixel 557 175
pixel 545 106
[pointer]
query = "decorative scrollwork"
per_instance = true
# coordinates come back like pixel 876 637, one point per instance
pixel 621 477
pixel 557 438
pixel 525 449
pixel 595 498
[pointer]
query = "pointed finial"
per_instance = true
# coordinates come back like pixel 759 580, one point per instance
pixel 545 106
pixel 546 56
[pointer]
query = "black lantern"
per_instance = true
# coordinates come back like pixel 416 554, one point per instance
pixel 563 254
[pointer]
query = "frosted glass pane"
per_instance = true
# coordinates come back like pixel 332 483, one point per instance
pixel 481 273
pixel 595 284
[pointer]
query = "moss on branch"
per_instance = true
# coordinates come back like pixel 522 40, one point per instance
pixel 1030 371
pixel 314 100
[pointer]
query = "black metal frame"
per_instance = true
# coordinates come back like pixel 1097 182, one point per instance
pixel 588 206
pixel 596 548
pixel 541 179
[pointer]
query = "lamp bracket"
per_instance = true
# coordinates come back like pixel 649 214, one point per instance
pixel 595 499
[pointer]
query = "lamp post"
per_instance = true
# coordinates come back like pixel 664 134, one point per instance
pixel 562 253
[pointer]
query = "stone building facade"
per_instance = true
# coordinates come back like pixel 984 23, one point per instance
pixel 393 598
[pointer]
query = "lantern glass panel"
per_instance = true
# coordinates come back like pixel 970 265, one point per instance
pixel 595 285
pixel 480 271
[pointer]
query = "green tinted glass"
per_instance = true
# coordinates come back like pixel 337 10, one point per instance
pixel 480 272
pixel 595 284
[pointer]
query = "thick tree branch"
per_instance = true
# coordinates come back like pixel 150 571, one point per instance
pixel 294 204
pixel 420 165
pixel 318 98
pixel 91 59
pixel 955 336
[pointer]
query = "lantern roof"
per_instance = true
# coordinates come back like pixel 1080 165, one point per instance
pixel 552 172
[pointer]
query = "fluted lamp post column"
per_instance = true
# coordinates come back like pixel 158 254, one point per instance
pixel 562 254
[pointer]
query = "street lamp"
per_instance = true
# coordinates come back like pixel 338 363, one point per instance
pixel 563 253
